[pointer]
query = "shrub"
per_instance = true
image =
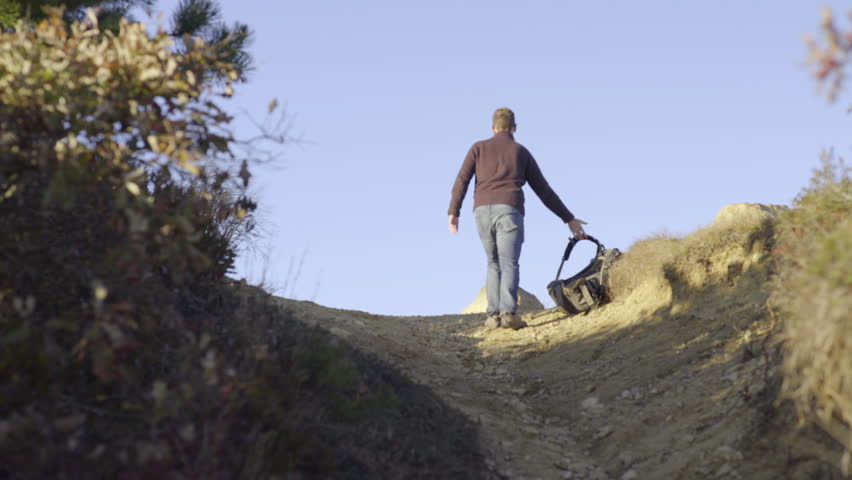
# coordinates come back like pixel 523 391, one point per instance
pixel 814 298
pixel 124 350
pixel 117 206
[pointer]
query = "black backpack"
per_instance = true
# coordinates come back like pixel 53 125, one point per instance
pixel 587 289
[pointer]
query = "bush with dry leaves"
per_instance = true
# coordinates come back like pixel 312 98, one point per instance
pixel 119 201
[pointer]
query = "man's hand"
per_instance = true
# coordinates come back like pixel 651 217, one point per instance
pixel 454 224
pixel 576 227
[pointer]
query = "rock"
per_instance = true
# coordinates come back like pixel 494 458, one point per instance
pixel 598 474
pixel 703 471
pixel 527 302
pixel 749 213
pixel 724 470
pixel 591 402
pixel 340 332
pixel 630 475
pixel 69 423
pixel 604 432
pixel 637 393
pixel 518 404
pixel 727 452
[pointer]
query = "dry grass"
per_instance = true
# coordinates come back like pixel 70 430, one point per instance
pixel 642 262
pixel 715 253
pixel 814 296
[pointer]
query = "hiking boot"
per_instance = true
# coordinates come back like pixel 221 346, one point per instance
pixel 510 320
pixel 492 322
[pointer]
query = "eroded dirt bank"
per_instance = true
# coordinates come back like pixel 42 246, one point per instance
pixel 674 380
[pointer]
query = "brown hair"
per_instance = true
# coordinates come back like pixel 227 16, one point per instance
pixel 503 120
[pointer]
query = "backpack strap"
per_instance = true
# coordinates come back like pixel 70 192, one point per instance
pixel 570 248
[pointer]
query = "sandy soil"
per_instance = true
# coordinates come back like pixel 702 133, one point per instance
pixel 670 382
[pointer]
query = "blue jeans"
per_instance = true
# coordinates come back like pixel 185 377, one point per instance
pixel 501 229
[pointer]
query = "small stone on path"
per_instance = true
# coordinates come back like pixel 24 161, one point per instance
pixel 724 470
pixel 630 475
pixel 604 432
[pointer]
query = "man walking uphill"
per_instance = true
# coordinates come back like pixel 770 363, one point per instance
pixel 502 166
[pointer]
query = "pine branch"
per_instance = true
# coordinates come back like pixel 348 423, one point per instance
pixel 193 17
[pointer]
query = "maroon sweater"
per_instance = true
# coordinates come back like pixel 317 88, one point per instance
pixel 502 166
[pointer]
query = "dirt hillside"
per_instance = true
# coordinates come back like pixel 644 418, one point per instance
pixel 674 379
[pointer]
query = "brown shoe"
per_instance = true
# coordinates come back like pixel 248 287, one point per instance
pixel 510 320
pixel 492 322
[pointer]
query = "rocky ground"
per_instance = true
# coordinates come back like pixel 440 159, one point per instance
pixel 676 380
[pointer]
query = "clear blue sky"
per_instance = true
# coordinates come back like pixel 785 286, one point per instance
pixel 644 116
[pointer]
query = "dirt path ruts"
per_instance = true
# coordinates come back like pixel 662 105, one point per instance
pixel 659 385
pixel 569 398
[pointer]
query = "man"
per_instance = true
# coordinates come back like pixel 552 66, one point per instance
pixel 502 166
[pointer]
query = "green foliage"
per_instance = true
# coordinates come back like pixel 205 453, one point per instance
pixel 109 12
pixel 814 288
pixel 124 350
pixel 10 11
pixel 814 299
pixel 833 256
pixel 194 15
pixel 203 18
pixel 191 20
pixel 115 195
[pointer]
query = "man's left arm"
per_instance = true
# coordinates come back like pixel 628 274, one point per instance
pixel 551 200
pixel 541 188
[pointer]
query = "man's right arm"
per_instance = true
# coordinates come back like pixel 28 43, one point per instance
pixel 541 188
pixel 462 181
pixel 548 197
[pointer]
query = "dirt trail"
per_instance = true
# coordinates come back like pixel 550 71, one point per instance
pixel 668 382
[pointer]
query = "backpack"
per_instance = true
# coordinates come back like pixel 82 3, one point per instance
pixel 588 288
